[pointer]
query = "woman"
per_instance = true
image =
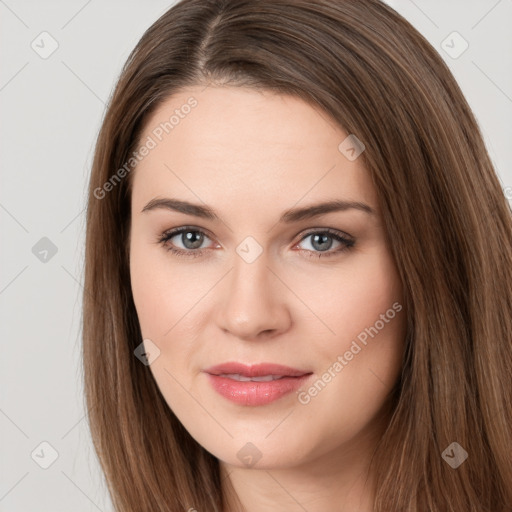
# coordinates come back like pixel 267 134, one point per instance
pixel 298 268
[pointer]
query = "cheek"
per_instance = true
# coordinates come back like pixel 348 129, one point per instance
pixel 170 299
pixel 361 354
pixel 163 291
pixel 164 296
pixel 350 298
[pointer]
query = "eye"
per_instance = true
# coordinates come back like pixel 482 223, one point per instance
pixel 191 240
pixel 322 241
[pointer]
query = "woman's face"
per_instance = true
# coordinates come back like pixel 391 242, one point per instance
pixel 263 275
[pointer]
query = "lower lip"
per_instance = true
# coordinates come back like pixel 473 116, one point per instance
pixel 255 393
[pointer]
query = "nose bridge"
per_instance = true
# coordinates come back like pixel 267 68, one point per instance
pixel 250 263
pixel 252 303
pixel 250 277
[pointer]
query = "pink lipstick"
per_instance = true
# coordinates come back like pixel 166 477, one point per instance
pixel 256 384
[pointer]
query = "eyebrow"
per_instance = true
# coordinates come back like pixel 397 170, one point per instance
pixel 289 216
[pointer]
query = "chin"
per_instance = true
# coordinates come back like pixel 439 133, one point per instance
pixel 260 453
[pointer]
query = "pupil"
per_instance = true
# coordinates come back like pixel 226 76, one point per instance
pixel 323 238
pixel 192 239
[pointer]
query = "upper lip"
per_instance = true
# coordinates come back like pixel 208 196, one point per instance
pixel 255 370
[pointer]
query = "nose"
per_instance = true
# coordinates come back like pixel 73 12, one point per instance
pixel 253 301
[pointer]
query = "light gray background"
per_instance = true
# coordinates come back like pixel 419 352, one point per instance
pixel 51 111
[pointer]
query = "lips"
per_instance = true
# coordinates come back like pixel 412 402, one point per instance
pixel 257 384
pixel 255 370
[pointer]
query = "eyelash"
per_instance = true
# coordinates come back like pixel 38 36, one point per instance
pixel 348 243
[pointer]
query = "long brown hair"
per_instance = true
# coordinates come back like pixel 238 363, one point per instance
pixel 446 216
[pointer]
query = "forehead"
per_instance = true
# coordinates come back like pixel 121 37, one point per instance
pixel 232 144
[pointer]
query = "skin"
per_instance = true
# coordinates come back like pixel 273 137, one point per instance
pixel 250 155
